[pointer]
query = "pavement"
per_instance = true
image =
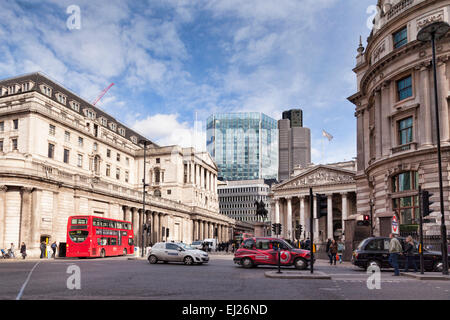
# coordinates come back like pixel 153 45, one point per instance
pixel 220 279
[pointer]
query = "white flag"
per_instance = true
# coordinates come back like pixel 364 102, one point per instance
pixel 327 135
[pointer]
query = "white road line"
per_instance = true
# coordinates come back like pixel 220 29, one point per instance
pixel 26 281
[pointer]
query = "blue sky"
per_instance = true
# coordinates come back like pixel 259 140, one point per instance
pixel 174 61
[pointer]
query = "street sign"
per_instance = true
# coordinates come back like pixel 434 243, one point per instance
pixel 394 224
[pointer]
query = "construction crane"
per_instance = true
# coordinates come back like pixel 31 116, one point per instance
pixel 102 94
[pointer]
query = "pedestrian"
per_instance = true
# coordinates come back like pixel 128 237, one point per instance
pixel 395 249
pixel 43 248
pixel 307 245
pixel 49 251
pixel 333 251
pixel 341 248
pixel 328 251
pixel 12 250
pixel 54 247
pixel 410 248
pixel 23 250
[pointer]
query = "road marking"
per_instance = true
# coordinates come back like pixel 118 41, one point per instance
pixel 26 281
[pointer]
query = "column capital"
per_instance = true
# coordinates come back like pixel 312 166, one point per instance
pixel 3 188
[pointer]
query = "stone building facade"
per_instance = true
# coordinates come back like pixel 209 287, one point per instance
pixel 291 201
pixel 396 140
pixel 62 156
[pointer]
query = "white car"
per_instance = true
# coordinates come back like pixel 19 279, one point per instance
pixel 176 252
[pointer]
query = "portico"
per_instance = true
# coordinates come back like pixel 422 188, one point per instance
pixel 291 201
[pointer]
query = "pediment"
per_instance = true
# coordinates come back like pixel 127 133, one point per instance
pixel 318 176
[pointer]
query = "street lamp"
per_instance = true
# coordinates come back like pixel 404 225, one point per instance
pixel 144 225
pixel 433 32
pixel 371 216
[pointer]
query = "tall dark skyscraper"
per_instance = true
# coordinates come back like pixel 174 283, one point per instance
pixel 294 143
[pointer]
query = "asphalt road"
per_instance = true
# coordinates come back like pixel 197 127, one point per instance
pixel 120 278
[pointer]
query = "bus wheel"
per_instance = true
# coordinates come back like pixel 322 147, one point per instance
pixel 102 253
pixel 124 252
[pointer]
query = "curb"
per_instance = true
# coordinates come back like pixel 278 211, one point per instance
pixel 297 275
pixel 419 276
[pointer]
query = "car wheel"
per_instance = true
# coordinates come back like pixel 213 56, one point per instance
pixel 247 263
pixel 124 252
pixel 102 253
pixel 152 259
pixel 373 263
pixel 188 261
pixel 300 264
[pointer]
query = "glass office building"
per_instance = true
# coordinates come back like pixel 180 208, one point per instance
pixel 243 145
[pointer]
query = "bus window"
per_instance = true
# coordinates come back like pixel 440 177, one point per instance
pixel 130 241
pixel 119 225
pixel 112 224
pixel 102 241
pixel 113 241
pixel 79 221
pixel 78 236
pixel 105 223
pixel 96 222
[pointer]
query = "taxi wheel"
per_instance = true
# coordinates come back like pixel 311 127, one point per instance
pixel 300 264
pixel 247 263
pixel 188 261
pixel 152 259
pixel 102 253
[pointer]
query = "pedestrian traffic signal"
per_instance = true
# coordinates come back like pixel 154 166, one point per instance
pixel 322 209
pixel 426 203
pixel 366 220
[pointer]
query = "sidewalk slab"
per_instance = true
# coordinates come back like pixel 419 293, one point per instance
pixel 297 275
pixel 419 276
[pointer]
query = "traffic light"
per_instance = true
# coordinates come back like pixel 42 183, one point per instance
pixel 322 210
pixel 366 220
pixel 298 231
pixel 426 203
pixel 276 228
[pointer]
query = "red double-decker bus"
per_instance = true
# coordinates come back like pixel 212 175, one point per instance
pixel 89 236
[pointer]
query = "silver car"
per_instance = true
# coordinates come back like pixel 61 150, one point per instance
pixel 176 252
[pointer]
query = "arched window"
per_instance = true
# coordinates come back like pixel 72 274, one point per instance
pixel 96 164
pixel 157 193
pixel 157 176
pixel 405 204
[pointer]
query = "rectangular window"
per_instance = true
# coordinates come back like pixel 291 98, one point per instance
pixel 127 161
pixel 14 143
pixel 126 176
pixel 108 170
pixel 67 136
pixel 404 88
pixel 401 38
pixel 405 131
pixel 157 160
pixel 16 124
pixel 80 161
pixel 1 145
pixel 80 142
pixel 95 146
pixel 2 126
pixel 51 150
pixel 51 130
pixel 66 156
pixel 108 153
pixel 118 157
pixel 118 174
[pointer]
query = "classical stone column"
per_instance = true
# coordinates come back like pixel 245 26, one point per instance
pixel 425 107
pixel 443 94
pixel 289 219
pixel 2 215
pixel 302 213
pixel 135 225
pixel 377 140
pixel 315 220
pixel 330 216
pixel 277 210
pixel 344 210
pixel 156 233
pixel 26 218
